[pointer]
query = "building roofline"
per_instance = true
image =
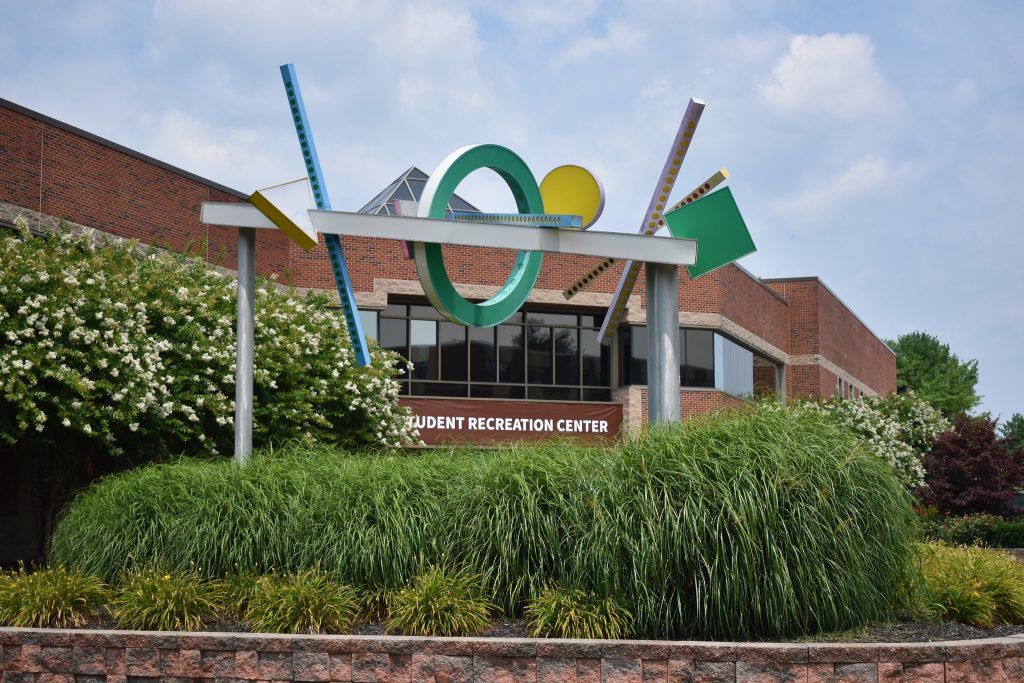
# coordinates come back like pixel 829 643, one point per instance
pixel 815 278
pixel 49 120
pixel 761 282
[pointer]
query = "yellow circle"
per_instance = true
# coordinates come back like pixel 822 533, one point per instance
pixel 573 190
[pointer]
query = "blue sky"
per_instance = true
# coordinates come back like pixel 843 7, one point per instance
pixel 878 145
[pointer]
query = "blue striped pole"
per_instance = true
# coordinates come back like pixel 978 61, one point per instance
pixel 316 180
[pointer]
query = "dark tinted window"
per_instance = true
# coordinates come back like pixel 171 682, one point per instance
pixel 538 361
pixel 511 359
pixel 483 357
pixel 423 348
pixel 452 338
pixel 700 359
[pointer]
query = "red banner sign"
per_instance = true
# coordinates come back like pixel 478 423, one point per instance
pixel 487 421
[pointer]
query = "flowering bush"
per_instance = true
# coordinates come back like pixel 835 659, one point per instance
pixel 106 345
pixel 899 428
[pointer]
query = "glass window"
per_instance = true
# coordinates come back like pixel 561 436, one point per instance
pixel 439 389
pixel 597 360
pixel 538 360
pixel 542 393
pixel 700 359
pixel 395 311
pixel 546 318
pixel 483 359
pixel 401 192
pixel 424 313
pixel 416 185
pixel 423 348
pixel 636 354
pixel 452 337
pixel 393 338
pixel 602 395
pixel 567 356
pixel 734 366
pixel 511 359
pixel 369 321
pixel 497 391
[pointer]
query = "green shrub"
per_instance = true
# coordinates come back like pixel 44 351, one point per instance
pixel 984 530
pixel 373 603
pixel 750 525
pixel 570 613
pixel 49 598
pixel 238 591
pixel 304 602
pixel 440 602
pixel 975 586
pixel 153 600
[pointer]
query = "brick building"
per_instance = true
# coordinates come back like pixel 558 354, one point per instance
pixel 739 335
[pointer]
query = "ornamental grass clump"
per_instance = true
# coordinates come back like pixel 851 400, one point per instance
pixel 307 601
pixel 976 586
pixel 440 602
pixel 154 600
pixel 572 613
pixel 49 598
pixel 762 523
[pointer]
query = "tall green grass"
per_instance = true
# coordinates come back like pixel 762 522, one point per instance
pixel 754 524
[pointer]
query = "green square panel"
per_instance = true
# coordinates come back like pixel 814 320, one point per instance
pixel 715 222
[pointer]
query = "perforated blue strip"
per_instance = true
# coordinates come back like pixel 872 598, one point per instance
pixel 337 255
pixel 541 220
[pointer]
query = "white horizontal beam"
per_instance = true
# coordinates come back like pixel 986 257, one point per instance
pixel 238 215
pixel 653 248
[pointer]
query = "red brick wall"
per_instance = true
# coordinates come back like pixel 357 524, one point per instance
pixel 56 171
pixel 753 306
pixel 819 323
pixel 848 343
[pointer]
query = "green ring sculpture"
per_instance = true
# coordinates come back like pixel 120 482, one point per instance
pixel 434 203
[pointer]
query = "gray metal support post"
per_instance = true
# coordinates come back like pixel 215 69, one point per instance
pixel 662 343
pixel 244 344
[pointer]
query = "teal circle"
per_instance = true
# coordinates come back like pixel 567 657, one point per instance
pixel 430 263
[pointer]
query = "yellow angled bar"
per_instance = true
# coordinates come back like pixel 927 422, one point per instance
pixel 274 202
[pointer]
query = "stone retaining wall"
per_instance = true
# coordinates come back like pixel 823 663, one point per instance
pixel 84 656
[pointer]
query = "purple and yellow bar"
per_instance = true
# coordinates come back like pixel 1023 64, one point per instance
pixel 654 217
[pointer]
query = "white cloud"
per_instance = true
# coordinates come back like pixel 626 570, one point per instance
pixel 823 197
pixel 832 74
pixel 222 153
pixel 547 17
pixel 619 36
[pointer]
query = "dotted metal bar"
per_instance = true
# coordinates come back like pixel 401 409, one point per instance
pixel 346 294
pixel 654 217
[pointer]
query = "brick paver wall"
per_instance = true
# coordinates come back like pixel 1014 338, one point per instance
pixel 82 656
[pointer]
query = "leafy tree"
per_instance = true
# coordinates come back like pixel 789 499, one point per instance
pixel 927 366
pixel 1013 431
pixel 970 471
